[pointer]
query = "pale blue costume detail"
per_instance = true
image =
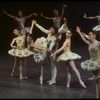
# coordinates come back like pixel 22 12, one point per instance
pixel 27 29
pixel 57 24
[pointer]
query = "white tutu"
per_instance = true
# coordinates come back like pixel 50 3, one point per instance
pixel 96 28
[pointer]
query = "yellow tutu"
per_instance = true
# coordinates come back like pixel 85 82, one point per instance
pixel 94 62
pixel 68 55
pixel 20 53
pixel 40 55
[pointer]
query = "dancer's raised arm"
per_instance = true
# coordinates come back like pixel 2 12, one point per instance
pixel 85 16
pixel 48 18
pixel 23 28
pixel 82 36
pixel 33 14
pixel 32 25
pixel 63 10
pixel 41 28
pixel 14 17
pixel 60 49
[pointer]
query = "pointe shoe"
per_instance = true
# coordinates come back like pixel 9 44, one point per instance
pixel 82 84
pixel 41 80
pixel 21 77
pixel 49 81
pixel 68 85
pixel 12 74
pixel 52 82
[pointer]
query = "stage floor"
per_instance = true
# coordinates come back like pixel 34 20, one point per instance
pixel 13 87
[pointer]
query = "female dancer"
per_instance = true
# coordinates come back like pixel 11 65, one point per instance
pixel 23 19
pixel 19 51
pixel 96 28
pixel 93 64
pixel 39 49
pixel 69 57
pixel 57 20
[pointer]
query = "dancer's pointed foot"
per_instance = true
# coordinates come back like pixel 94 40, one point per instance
pixel 68 85
pixel 49 81
pixel 52 82
pixel 12 74
pixel 82 84
pixel 41 80
pixel 21 77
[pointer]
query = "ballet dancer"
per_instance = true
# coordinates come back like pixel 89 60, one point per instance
pixel 22 18
pixel 97 27
pixel 93 64
pixel 19 51
pixel 57 20
pixel 69 57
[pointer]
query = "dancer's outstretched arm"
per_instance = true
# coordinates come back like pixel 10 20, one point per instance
pixel 60 49
pixel 85 16
pixel 82 36
pixel 48 18
pixel 32 25
pixel 33 14
pixel 14 17
pixel 63 10
pixel 34 46
pixel 47 32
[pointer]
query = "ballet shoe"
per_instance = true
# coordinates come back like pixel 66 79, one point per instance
pixel 52 82
pixel 49 81
pixel 82 84
pixel 41 80
pixel 12 75
pixel 68 85
pixel 21 77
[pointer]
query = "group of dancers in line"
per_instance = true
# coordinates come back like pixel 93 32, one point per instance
pixel 47 48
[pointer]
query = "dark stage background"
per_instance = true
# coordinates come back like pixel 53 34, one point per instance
pixel 74 13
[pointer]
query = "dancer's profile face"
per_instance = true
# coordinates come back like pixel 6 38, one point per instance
pixel 56 13
pixel 53 31
pixel 20 13
pixel 16 32
pixel 29 39
pixel 91 36
pixel 68 34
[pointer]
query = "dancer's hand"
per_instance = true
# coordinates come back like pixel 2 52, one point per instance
pixel 64 6
pixel 14 47
pixel 33 21
pixel 78 29
pixel 85 15
pixel 35 14
pixel 51 55
pixel 48 50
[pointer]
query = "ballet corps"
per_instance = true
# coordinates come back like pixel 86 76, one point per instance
pixel 47 48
